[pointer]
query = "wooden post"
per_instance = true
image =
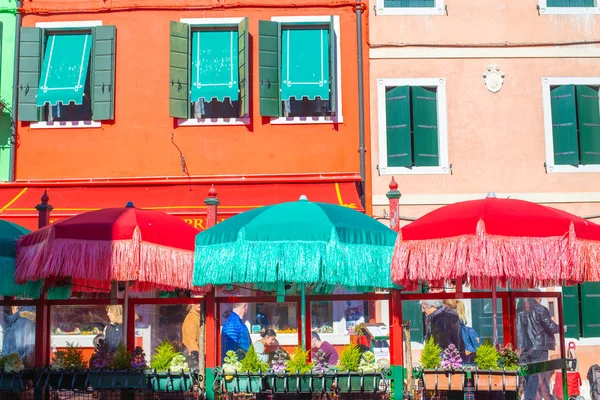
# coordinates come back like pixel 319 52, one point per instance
pixel 408 357
pixel 207 312
pixel 42 318
pixel 394 197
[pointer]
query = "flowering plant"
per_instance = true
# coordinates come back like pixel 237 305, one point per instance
pixel 279 362
pixel 138 358
pixel 451 358
pixel 320 365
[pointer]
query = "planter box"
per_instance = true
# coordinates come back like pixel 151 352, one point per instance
pixel 495 380
pixel 443 380
pixel 14 381
pixel 66 380
pixel 111 379
pixel 243 383
pixel 358 383
pixel 299 383
pixel 166 382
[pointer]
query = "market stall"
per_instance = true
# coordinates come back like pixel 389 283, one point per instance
pixel 303 274
pixel 482 245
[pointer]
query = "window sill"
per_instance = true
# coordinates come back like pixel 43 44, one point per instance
pixel 65 124
pixel 213 121
pixel 443 170
pixel 558 169
pixel 306 120
pixel 410 11
pixel 569 10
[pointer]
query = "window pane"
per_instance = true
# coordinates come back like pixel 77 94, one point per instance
pixel 18 333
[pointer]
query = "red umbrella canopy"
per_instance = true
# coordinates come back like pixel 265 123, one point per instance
pixel 501 240
pixel 152 248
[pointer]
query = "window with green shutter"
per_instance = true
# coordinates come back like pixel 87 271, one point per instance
pixel 569 3
pixel 412 126
pixel 571 311
pixel 590 304
pixel 297 69
pixel 57 70
pixel 214 60
pixel 409 3
pixel 575 124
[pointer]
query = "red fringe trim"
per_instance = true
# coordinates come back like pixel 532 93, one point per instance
pixel 482 260
pixel 95 263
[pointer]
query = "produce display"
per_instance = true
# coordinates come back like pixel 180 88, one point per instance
pixel 286 329
pixel 77 331
pixel 323 329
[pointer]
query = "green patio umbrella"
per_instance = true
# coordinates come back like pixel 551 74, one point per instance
pixel 9 234
pixel 299 242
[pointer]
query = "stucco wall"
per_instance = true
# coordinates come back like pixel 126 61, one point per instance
pixel 7 17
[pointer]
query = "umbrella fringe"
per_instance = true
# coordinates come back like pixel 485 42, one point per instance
pixel 8 287
pixel 302 262
pixel 487 259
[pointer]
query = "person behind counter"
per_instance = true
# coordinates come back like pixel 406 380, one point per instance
pixel 317 344
pixel 113 332
pixel 267 337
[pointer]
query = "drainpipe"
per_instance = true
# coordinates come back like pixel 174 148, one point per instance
pixel 361 101
pixel 13 126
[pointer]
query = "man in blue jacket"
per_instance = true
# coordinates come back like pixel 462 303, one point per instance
pixel 19 334
pixel 235 335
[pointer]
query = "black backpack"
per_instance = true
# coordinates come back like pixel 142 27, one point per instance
pixel 593 376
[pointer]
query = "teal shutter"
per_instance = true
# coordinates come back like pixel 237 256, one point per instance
pixel 30 60
pixel 411 311
pixel 588 119
pixel 332 67
pixel 570 298
pixel 179 71
pixel 564 125
pixel 397 121
pixel 570 3
pixel 425 121
pixel 590 304
pixel 557 3
pixel 269 67
pixel 103 72
pixel 409 3
pixel 243 75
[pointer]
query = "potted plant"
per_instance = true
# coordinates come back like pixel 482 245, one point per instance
pixel 119 370
pixel 298 370
pixel 322 379
pixel 67 370
pixel 452 365
pixel 352 377
pixel 489 375
pixel 171 371
pixel 431 359
pixel 11 366
pixel 246 376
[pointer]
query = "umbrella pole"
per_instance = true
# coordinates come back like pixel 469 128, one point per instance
pixel 125 312
pixel 495 312
pixel 303 315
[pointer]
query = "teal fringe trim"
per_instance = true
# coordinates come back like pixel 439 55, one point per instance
pixel 310 262
pixel 8 287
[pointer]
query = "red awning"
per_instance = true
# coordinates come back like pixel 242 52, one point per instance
pixel 183 200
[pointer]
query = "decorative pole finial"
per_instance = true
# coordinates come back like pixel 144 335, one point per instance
pixel 212 192
pixel 393 196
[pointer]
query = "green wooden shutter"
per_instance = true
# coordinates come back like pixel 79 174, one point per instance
pixel 425 121
pixel 588 120
pixel 564 125
pixel 411 311
pixel 332 67
pixel 179 71
pixel 30 60
pixel 482 318
pixel 269 69
pixel 558 3
pixel 103 72
pixel 570 298
pixel 244 76
pixel 590 304
pixel 570 3
pixel 397 121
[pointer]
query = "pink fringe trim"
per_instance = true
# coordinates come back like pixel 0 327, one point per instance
pixel 96 263
pixel 482 259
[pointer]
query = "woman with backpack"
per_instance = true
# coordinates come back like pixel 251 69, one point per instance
pixel 470 337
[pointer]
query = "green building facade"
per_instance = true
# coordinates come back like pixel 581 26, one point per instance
pixel 8 10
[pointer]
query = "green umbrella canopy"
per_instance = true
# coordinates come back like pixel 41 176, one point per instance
pixel 296 242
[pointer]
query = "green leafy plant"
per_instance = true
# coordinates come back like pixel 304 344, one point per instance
pixel 350 358
pixel 367 362
pixel 486 356
pixel 231 363
pixel 509 358
pixel 431 354
pixel 251 363
pixel 122 358
pixel 359 329
pixel 70 358
pixel 297 363
pixel 13 363
pixel 179 364
pixel 163 355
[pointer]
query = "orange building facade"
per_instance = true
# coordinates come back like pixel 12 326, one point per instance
pixel 128 127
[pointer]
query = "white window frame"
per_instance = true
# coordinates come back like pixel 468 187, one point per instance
pixel 67 124
pixel 338 117
pixel 545 10
pixel 437 9
pixel 442 115
pixel 547 83
pixel 213 121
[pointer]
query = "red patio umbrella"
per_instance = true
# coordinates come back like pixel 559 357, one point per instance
pixel 150 248
pixel 497 241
